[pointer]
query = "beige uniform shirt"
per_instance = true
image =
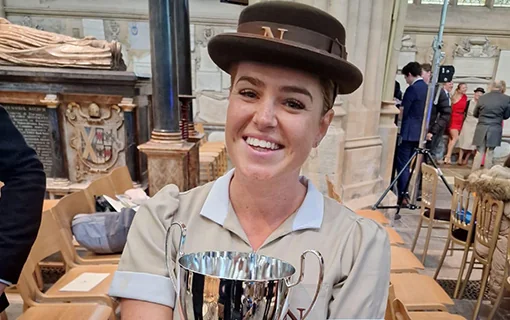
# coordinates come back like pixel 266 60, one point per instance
pixel 356 251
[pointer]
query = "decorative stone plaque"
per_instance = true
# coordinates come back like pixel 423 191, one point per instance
pixel 32 122
pixel 95 136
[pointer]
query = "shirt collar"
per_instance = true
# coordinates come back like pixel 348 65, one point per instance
pixel 308 216
pixel 417 79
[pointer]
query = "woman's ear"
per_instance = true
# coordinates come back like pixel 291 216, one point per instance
pixel 323 126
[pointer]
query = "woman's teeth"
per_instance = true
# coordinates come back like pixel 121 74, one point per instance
pixel 262 143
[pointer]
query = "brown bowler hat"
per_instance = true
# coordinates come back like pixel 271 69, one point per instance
pixel 292 35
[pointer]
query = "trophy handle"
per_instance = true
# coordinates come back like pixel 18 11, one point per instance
pixel 173 274
pixel 302 274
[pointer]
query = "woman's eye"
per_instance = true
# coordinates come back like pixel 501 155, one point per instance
pixel 248 93
pixel 294 104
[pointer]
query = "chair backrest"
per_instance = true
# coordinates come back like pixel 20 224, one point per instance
pixel 429 182
pixel 99 187
pixel 121 179
pixel 401 312
pixel 390 312
pixel 48 242
pixel 64 212
pixel 463 206
pixel 488 221
pixel 506 281
pixel 332 190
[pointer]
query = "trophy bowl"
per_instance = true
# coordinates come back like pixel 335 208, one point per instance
pixel 228 285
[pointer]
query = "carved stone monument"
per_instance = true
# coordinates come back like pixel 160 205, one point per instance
pixel 80 122
pixel 24 46
pixel 475 62
pixel 79 114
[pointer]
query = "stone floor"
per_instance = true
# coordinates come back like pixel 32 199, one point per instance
pixel 406 226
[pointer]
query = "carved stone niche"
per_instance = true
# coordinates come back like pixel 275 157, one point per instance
pixel 82 123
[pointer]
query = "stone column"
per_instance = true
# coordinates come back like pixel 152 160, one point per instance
pixel 168 156
pixel 388 133
pixel 58 169
pixel 128 106
pixel 327 159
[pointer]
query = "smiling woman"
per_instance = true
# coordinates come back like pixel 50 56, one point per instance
pixel 287 63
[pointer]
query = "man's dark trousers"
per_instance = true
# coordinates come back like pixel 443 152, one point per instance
pixel 404 153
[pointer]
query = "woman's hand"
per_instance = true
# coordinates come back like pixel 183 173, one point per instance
pixel 140 310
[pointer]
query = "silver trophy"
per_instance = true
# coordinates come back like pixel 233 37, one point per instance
pixel 227 285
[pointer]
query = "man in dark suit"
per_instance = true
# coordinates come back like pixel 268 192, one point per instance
pixel 413 105
pixel 439 118
pixel 492 108
pixel 21 201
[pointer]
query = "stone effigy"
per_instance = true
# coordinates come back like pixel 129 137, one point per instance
pixel 24 46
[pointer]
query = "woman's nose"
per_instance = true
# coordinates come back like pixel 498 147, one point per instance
pixel 265 116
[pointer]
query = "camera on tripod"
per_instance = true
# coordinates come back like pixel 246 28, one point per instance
pixel 446 74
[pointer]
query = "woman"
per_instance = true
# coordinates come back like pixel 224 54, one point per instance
pixel 286 70
pixel 468 129
pixel 459 100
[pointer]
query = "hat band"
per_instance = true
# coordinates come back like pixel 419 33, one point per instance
pixel 296 34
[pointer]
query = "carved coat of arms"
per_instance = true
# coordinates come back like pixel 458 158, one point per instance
pixel 95 137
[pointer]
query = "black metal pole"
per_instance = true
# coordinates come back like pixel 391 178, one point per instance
pixel 165 98
pixel 184 52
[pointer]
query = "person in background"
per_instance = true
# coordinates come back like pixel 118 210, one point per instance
pixel 426 72
pixel 468 129
pixel 413 105
pixel 491 109
pixel 459 101
pixel 439 115
pixel 21 202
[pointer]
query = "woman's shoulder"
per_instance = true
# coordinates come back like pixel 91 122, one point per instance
pixel 339 217
pixel 171 201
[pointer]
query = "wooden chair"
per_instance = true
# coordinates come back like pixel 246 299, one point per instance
pixel 366 213
pixel 461 229
pixel 429 213
pixel 396 310
pixel 429 297
pixel 121 179
pixel 375 215
pixel 75 311
pixel 401 313
pixel 487 221
pixel 48 204
pixel 48 242
pixel 505 285
pixel 404 261
pixel 64 212
pixel 395 238
pixel 99 187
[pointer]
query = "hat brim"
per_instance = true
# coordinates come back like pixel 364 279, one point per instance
pixel 229 48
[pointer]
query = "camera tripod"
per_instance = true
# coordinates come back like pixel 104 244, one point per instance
pixel 439 75
pixel 415 160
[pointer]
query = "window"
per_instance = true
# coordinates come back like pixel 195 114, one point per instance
pixel 433 1
pixel 410 1
pixel 471 2
pixel 502 3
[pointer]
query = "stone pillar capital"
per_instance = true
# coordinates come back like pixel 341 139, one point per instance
pixel 127 104
pixel 51 101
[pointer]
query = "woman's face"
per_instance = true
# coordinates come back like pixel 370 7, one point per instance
pixel 478 94
pixel 274 119
pixel 463 88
